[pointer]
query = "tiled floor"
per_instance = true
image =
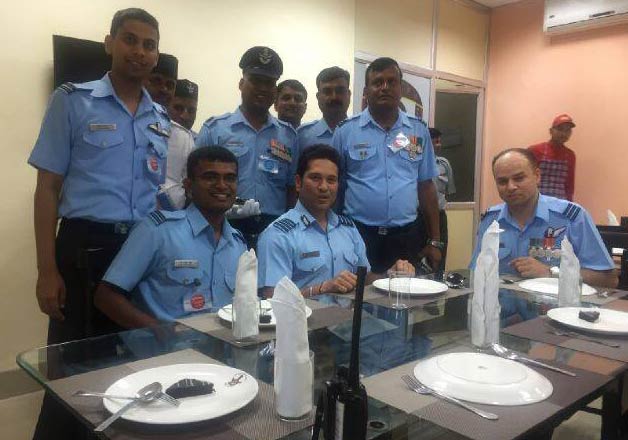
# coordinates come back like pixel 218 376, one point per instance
pixel 18 416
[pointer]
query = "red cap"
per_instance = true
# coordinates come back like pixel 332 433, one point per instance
pixel 562 119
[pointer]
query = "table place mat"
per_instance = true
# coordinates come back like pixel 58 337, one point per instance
pixel 614 294
pixel 539 329
pixel 513 421
pixel 620 305
pixel 256 421
pixel 379 297
pixel 322 316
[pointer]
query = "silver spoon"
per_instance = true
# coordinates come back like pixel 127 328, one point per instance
pixel 144 395
pixel 508 354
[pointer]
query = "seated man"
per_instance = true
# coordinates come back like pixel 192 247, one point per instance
pixel 177 263
pixel 317 249
pixel 534 226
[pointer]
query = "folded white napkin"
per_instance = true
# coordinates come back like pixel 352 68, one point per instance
pixel 569 281
pixel 245 300
pixel 485 306
pixel 612 218
pixel 293 366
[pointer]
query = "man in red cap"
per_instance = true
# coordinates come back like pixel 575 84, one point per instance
pixel 556 161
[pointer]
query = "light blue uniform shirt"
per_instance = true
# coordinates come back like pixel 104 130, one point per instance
pixel 295 246
pixel 172 266
pixel 266 158
pixel 380 185
pixel 315 132
pixel 112 161
pixel 542 236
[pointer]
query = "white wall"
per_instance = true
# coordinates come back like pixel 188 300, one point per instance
pixel 208 37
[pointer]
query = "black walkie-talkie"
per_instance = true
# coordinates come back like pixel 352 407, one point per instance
pixel 345 411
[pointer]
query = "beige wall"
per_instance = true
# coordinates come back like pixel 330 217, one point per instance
pixel 400 29
pixel 208 37
pixel 462 39
pixel 533 77
pixel 460 227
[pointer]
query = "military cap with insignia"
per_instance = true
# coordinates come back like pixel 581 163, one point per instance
pixel 186 89
pixel 167 65
pixel 261 60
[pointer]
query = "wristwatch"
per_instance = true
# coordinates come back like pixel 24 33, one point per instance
pixel 554 271
pixel 435 243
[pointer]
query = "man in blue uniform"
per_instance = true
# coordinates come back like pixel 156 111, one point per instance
pixel 387 169
pixel 264 145
pixel 178 263
pixel 291 102
pixel 534 226
pixel 317 249
pixel 100 157
pixel 333 98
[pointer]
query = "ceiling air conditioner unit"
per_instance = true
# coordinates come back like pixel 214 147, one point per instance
pixel 562 16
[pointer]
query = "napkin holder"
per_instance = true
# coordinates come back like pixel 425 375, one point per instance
pixel 344 399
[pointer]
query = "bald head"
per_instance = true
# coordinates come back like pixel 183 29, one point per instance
pixel 517 176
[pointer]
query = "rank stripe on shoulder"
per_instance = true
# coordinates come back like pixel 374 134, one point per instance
pixel 157 217
pixel 285 225
pixel 572 211
pixel 345 221
pixel 67 87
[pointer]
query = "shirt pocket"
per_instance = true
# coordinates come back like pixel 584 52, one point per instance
pixel 187 278
pixel 350 260
pixel 362 152
pixel 103 139
pixel 238 148
pixel 306 267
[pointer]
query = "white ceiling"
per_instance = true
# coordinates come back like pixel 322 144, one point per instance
pixel 495 3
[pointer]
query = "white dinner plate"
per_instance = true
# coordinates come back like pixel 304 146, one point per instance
pixel 224 400
pixel 226 313
pixel 415 286
pixel 483 378
pixel 549 286
pixel 611 322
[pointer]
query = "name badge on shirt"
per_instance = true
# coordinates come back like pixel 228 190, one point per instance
pixel 197 302
pixel 152 163
pixel 361 146
pixel 311 254
pixel 279 150
pixel 157 128
pixel 399 143
pixel 193 264
pixel 268 165
pixel 102 127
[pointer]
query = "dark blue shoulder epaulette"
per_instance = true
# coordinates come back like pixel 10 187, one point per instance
pixel 344 121
pixel 345 221
pixel 157 217
pixel 571 211
pixel 238 236
pixel 285 225
pixel 67 87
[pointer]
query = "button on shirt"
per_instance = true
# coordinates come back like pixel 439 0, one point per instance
pixel 312 133
pixel 381 169
pixel 541 238
pixel 172 266
pixel 295 246
pixel 266 158
pixel 112 161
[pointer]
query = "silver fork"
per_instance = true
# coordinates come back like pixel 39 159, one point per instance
pixel 160 396
pixel 419 388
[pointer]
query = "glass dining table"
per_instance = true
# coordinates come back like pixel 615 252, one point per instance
pixel 392 342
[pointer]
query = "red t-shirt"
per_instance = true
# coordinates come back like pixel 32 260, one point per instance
pixel 558 169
